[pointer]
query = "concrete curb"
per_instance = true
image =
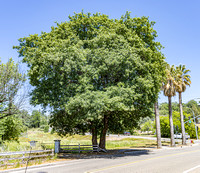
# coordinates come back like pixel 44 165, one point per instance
pixel 36 166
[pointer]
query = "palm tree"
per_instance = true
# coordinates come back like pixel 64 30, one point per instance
pixel 182 79
pixel 157 118
pixel 169 91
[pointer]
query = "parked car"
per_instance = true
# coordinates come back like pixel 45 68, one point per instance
pixel 187 136
pixel 127 133
pixel 179 136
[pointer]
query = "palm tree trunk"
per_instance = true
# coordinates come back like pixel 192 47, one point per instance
pixel 157 118
pixel 171 122
pixel 182 120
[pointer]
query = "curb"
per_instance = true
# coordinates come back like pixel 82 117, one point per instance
pixel 36 166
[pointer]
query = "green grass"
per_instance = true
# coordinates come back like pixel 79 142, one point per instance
pixel 130 143
pixel 46 141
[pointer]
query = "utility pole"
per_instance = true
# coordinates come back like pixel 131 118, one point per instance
pixel 195 124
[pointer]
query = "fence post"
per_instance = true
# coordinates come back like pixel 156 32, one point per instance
pixel 52 152
pixel 57 146
pixel 23 158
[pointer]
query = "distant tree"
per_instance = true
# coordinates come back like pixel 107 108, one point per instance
pixel 36 119
pixel 44 123
pixel 182 80
pixel 190 106
pixel 26 118
pixel 97 74
pixel 148 125
pixel 169 91
pixel 164 108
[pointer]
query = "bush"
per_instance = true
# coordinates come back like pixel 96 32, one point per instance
pixel 165 127
pixel 10 128
pixel 149 125
pixel 46 129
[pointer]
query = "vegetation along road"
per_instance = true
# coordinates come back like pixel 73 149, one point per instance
pixel 174 160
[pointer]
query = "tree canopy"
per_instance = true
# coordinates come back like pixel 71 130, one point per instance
pixel 94 72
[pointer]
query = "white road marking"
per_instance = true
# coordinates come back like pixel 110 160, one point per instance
pixel 48 166
pixel 191 169
pixel 33 169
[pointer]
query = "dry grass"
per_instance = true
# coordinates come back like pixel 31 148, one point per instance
pixel 46 141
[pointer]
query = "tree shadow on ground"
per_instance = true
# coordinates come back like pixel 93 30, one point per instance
pixel 110 154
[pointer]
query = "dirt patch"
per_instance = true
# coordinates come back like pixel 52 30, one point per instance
pixel 113 138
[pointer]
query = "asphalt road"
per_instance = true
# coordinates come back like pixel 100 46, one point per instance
pixel 171 160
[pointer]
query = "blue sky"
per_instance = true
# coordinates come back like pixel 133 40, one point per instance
pixel 177 24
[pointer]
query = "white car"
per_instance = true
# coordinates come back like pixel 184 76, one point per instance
pixel 179 136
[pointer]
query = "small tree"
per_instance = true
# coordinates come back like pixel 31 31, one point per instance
pixel 11 81
pixel 10 128
pixel 36 119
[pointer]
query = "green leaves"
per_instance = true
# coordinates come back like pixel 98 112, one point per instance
pixel 91 66
pixel 10 128
pixel 165 127
pixel 182 78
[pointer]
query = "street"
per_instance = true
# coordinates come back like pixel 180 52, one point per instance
pixel 170 160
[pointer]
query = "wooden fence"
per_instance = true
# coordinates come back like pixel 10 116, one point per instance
pixel 79 148
pixel 22 155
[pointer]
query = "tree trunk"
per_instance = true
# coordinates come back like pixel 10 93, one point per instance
pixel 182 120
pixel 102 143
pixel 171 122
pixel 94 138
pixel 157 118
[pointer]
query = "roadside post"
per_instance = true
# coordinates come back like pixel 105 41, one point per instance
pixel 56 146
pixel 32 143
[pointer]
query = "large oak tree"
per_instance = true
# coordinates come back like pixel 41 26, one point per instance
pixel 95 73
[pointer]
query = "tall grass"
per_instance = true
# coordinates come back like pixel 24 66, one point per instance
pixel 130 143
pixel 46 141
